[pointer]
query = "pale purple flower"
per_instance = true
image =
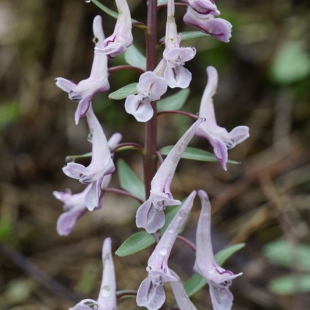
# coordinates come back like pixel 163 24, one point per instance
pixel 217 277
pixel 122 37
pixel 180 294
pixel 175 74
pixel 219 137
pixel 151 293
pixel 218 28
pixel 75 205
pixel 151 214
pixel 101 162
pixel 97 81
pixel 107 295
pixel 203 6
pixel 150 88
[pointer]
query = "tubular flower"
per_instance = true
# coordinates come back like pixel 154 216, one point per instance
pixel 150 88
pixel 151 214
pixel 175 74
pixel 107 295
pixel 218 28
pixel 75 205
pixel 151 293
pixel 121 38
pixel 101 162
pixel 219 137
pixel 217 277
pixel 97 81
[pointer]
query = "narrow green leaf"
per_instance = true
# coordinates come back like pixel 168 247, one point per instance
pixel 282 253
pixel 135 243
pixel 134 58
pixel 224 254
pixel 173 102
pixel 129 181
pixel 193 35
pixel 194 154
pixel 291 284
pixel 124 92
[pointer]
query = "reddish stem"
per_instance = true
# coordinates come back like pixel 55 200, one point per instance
pixel 150 138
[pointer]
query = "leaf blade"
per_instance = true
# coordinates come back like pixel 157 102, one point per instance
pixel 129 181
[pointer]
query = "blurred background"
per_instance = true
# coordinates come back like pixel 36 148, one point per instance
pixel 263 202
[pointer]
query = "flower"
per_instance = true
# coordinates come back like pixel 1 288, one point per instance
pixel 203 6
pixel 101 162
pixel 151 293
pixel 151 215
pixel 107 294
pixel 217 277
pixel 218 28
pixel 150 88
pixel 219 137
pixel 175 74
pixel 121 38
pixel 97 81
pixel 75 205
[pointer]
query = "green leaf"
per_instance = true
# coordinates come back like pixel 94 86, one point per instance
pixel 194 284
pixel 291 63
pixel 224 254
pixel 134 58
pixel 129 181
pixel 173 102
pixel 194 154
pixel 193 35
pixel 135 243
pixel 161 2
pixel 124 92
pixel 291 284
pixel 282 253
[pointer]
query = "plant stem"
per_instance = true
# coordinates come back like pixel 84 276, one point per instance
pixel 150 138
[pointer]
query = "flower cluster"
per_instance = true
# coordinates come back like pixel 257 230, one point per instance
pixel 170 72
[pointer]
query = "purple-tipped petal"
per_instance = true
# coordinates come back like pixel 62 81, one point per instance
pixel 203 6
pixel 122 36
pixel 150 296
pixel 217 277
pixel 149 218
pixel 219 137
pixel 216 27
pixel 67 221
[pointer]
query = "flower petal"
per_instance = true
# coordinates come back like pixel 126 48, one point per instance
pixel 150 296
